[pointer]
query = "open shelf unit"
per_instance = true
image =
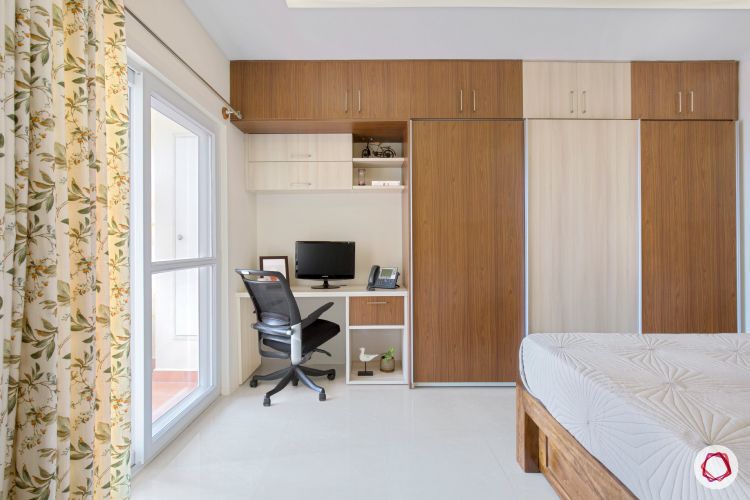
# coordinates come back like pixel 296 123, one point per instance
pixel 378 377
pixel 376 168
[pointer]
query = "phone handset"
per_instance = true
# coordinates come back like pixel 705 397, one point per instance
pixel 374 272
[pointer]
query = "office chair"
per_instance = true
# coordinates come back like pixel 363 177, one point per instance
pixel 280 328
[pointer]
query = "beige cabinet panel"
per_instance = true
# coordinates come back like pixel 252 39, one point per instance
pixel 550 89
pixel 604 90
pixel 299 147
pixel 298 176
pixel 583 225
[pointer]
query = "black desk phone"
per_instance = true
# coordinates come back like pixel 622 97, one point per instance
pixel 383 277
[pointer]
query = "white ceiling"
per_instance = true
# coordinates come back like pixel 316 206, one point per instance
pixel 268 29
pixel 564 4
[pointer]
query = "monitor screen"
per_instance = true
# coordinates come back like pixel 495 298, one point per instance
pixel 317 260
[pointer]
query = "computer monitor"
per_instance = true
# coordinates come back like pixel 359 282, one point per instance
pixel 324 260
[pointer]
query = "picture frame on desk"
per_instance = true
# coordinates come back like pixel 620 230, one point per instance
pixel 278 263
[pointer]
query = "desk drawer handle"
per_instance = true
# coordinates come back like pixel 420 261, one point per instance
pixel 379 303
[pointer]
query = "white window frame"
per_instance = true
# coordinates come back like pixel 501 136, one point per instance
pixel 150 438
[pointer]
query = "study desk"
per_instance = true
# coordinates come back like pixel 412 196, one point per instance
pixel 375 320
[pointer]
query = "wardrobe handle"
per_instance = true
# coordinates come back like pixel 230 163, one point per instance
pixel 359 101
pixel 692 101
pixel 461 101
pixel 346 101
pixel 584 102
pixel 301 155
pixel 300 183
pixel 679 101
pixel 474 96
pixel 572 95
pixel 378 303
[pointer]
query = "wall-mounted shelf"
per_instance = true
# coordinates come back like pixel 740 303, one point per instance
pixel 378 162
pixel 378 189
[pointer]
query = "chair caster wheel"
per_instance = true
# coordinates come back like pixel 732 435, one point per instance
pixel 253 383
pixel 322 396
pixel 331 376
pixel 266 401
pixel 295 382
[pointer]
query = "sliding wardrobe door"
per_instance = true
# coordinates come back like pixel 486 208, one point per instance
pixel 583 225
pixel 467 219
pixel 689 227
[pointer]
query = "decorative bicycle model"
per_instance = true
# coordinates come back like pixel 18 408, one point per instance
pixel 377 150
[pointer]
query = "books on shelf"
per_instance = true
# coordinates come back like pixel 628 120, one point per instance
pixel 386 183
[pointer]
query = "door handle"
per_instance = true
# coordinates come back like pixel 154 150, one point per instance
pixel 300 183
pixel 679 101
pixel 692 101
pixel 346 101
pixel 379 303
pixel 359 101
pixel 572 95
pixel 474 96
pixel 583 95
pixel 461 101
pixel 301 155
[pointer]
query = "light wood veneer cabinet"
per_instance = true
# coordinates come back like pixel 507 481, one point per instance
pixel 689 227
pixel 583 225
pixel 595 90
pixel 700 90
pixel 466 89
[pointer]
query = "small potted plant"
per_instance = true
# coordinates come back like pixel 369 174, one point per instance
pixel 388 360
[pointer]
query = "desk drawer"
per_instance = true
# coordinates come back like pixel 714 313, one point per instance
pixel 376 310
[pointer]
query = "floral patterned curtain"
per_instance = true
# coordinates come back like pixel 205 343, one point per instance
pixel 64 263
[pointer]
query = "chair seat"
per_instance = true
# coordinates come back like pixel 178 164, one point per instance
pixel 316 334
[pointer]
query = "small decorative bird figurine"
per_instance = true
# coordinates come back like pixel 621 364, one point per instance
pixel 366 358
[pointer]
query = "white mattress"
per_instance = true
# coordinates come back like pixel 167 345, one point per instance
pixel 646 405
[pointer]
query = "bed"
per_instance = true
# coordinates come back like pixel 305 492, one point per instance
pixel 624 416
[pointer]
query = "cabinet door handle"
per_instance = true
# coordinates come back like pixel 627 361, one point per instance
pixel 359 101
pixel 692 101
pixel 300 183
pixel 378 303
pixel 301 155
pixel 461 101
pixel 346 101
pixel 572 105
pixel 679 101
pixel 474 97
pixel 583 95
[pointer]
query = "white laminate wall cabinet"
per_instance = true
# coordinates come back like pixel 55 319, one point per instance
pixel 299 147
pixel 299 162
pixel 593 90
pixel 583 225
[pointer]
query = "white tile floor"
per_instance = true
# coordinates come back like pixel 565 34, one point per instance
pixel 374 442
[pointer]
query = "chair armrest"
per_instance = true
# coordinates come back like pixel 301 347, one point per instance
pixel 316 314
pixel 275 330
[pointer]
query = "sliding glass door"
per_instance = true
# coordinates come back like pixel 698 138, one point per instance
pixel 174 263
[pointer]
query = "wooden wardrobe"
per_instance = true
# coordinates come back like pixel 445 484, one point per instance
pixel 468 231
pixel 583 225
pixel 689 227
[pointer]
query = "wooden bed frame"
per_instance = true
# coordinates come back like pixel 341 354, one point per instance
pixel 543 445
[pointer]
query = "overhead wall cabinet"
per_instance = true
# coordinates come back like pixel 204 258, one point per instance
pixel 322 90
pixel 583 225
pixel 595 90
pixel 700 90
pixel 688 178
pixel 468 246
pixel 466 89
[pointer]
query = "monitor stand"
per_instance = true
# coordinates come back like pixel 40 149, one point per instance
pixel 325 286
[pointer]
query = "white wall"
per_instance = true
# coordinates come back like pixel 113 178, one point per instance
pixel 372 221
pixel 179 28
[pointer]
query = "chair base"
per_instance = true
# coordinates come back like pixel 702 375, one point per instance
pixel 293 374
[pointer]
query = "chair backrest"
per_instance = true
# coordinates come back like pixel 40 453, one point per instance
pixel 273 300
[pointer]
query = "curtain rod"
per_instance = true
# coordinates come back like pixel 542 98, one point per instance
pixel 227 111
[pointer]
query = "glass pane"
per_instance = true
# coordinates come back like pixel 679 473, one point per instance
pixel 177 190
pixel 180 310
